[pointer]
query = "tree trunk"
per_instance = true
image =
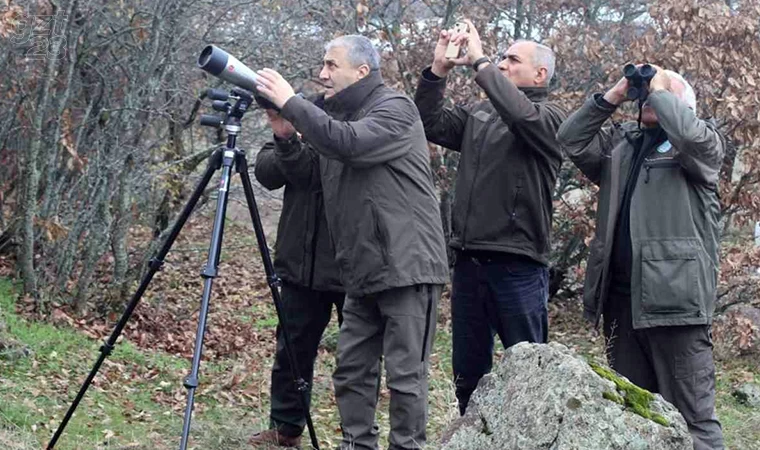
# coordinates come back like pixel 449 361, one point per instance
pixel 519 18
pixel 54 159
pixel 96 242
pixel 120 231
pixel 29 174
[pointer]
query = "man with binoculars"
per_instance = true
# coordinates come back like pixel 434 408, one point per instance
pixel 653 268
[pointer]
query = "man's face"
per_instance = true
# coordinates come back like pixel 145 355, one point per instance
pixel 648 116
pixel 517 65
pixel 337 72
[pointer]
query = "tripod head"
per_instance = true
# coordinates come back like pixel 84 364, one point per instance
pixel 232 114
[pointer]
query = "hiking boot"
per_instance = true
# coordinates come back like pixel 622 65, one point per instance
pixel 273 438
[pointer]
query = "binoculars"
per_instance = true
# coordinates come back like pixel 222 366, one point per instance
pixel 638 81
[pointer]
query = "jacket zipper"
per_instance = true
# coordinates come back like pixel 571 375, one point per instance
pixel 427 321
pixel 474 178
pixel 513 215
pixel 660 165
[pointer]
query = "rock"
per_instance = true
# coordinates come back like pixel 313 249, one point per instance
pixel 10 349
pixel 737 332
pixel 542 396
pixel 748 394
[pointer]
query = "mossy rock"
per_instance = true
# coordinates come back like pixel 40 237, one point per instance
pixel 628 394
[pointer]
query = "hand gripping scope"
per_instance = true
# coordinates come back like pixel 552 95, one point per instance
pixel 226 67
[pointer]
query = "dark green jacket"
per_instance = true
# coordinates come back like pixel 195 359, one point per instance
pixel 508 165
pixel 674 211
pixel 381 205
pixel 303 253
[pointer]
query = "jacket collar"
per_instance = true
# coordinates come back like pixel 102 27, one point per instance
pixel 350 99
pixel 535 94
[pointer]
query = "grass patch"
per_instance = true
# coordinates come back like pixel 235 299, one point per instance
pixel 137 401
pixel 741 424
pixel 137 398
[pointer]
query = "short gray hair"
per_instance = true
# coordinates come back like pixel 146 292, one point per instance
pixel 688 95
pixel 543 56
pixel 359 50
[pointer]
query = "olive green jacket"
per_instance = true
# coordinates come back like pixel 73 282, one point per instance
pixel 674 210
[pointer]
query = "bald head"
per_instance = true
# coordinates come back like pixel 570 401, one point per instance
pixel 682 89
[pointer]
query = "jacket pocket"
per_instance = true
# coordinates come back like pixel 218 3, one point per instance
pixel 513 213
pixel 664 163
pixel 669 277
pixel 380 235
pixel 594 266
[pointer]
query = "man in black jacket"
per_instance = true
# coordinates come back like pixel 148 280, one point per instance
pixel 382 214
pixel 305 262
pixel 501 219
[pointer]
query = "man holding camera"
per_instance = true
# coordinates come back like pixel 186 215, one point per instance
pixel 305 262
pixel 383 218
pixel 653 268
pixel 501 219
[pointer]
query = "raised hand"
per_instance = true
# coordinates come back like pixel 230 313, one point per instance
pixel 274 87
pixel 442 65
pixel 281 128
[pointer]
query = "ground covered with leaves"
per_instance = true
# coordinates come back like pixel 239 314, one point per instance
pixel 137 400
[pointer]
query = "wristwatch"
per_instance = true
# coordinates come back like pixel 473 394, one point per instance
pixel 479 61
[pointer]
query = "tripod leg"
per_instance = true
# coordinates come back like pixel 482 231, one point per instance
pixel 208 274
pixel 274 283
pixel 155 264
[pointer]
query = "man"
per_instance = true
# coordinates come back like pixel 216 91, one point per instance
pixel 383 217
pixel 501 219
pixel 653 268
pixel 305 262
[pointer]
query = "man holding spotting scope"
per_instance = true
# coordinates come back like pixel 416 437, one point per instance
pixel 383 218
pixel 653 266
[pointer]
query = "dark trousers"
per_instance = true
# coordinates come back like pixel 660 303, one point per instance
pixel 676 362
pixel 504 294
pixel 399 324
pixel 307 313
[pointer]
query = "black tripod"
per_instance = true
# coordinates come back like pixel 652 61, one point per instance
pixel 224 158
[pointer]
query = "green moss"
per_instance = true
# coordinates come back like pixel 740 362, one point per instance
pixel 614 397
pixel 632 396
pixel 660 419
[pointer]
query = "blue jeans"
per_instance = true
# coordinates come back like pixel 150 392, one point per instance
pixel 494 293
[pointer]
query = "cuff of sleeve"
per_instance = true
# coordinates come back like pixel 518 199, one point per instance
pixel 658 96
pixel 284 146
pixel 485 72
pixel 291 109
pixel 602 103
pixel 430 77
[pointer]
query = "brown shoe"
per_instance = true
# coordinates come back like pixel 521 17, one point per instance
pixel 273 438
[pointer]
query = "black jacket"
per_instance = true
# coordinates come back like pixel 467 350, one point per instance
pixel 381 205
pixel 303 252
pixel 508 165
